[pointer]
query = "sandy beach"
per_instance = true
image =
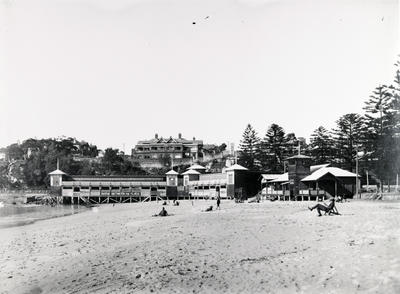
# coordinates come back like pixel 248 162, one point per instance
pixel 268 247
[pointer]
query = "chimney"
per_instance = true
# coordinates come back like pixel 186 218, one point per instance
pixel 156 136
pixel 180 136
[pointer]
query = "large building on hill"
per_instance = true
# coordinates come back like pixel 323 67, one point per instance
pixel 164 152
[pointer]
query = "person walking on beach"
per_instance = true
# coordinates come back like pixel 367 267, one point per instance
pixel 218 202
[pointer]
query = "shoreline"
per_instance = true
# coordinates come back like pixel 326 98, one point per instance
pixel 25 214
pixel 245 247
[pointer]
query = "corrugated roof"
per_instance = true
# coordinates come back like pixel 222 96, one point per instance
pixel 197 166
pixel 57 172
pixel 236 167
pixel 191 172
pixel 314 168
pixel 282 178
pixel 172 172
pixel 270 177
pixel 335 171
pixel 299 156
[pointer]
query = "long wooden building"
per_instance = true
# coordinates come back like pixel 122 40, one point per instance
pixel 234 182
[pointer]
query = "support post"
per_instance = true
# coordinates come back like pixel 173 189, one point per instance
pixel 335 187
pixel 356 173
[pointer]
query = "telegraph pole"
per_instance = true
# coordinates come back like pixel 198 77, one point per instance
pixel 357 172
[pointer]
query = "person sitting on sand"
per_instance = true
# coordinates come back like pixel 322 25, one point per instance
pixel 163 212
pixel 176 203
pixel 210 208
pixel 331 208
pixel 164 203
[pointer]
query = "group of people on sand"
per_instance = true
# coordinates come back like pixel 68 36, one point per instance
pixel 210 208
pixel 326 208
pixel 164 212
pixel 174 203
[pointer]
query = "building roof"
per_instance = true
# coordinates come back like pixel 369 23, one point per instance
pixel 236 167
pixel 191 172
pixel 169 140
pixel 197 166
pixel 282 178
pixel 335 171
pixel 57 172
pixel 269 177
pixel 314 168
pixel 301 156
pixel 119 178
pixel 172 172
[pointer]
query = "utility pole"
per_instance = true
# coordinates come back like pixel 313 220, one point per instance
pixel 357 172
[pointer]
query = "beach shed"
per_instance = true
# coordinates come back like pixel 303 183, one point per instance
pixel 333 181
pixel 242 183
pixel 172 184
pixel 56 178
pixel 190 175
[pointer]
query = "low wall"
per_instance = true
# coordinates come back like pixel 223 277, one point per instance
pixel 11 198
pixel 20 197
pixel 393 196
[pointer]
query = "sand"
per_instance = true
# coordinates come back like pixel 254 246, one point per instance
pixel 268 247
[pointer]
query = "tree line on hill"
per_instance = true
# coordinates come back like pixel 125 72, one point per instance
pixel 29 163
pixel 374 137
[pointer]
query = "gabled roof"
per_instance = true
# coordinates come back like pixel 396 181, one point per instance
pixel 335 171
pixel 172 172
pixel 269 177
pixel 191 172
pixel 197 166
pixel 282 178
pixel 57 172
pixel 301 156
pixel 236 167
pixel 169 140
pixel 314 168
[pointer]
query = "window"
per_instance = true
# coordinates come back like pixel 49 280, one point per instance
pixel 230 179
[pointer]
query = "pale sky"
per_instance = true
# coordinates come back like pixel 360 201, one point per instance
pixel 115 72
